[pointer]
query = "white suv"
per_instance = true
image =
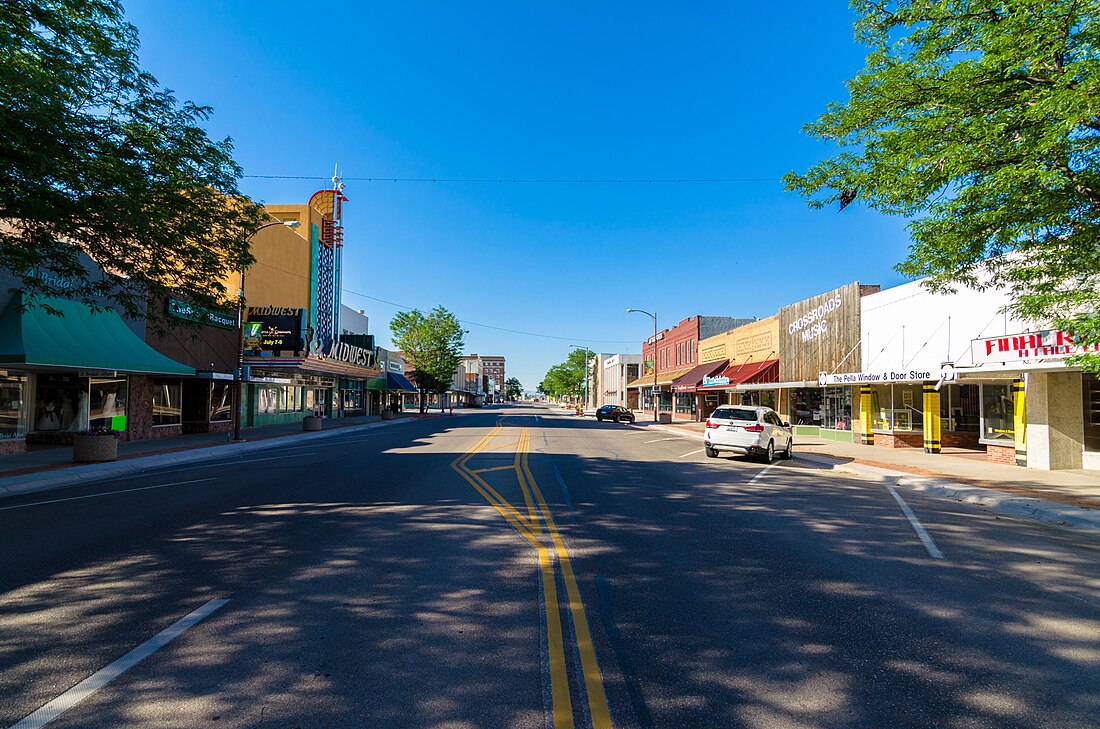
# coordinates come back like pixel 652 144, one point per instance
pixel 747 429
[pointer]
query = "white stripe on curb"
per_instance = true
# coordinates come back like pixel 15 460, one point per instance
pixel 924 537
pixel 104 676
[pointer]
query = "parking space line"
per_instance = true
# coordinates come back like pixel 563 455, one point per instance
pixel 691 454
pixel 53 709
pixel 925 538
pixel 107 493
pixel 659 440
pixel 760 475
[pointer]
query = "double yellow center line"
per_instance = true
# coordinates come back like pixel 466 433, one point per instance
pixel 529 521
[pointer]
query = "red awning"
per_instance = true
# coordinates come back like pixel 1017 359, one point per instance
pixel 748 372
pixel 693 379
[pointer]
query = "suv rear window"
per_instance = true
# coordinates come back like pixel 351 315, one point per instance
pixel 748 416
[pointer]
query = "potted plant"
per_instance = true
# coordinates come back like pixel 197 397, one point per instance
pixel 96 445
pixel 312 422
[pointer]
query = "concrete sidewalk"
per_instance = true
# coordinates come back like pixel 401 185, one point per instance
pixel 1056 497
pixel 51 467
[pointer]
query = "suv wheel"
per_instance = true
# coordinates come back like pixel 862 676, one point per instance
pixel 711 453
pixel 616 418
pixel 789 453
pixel 769 455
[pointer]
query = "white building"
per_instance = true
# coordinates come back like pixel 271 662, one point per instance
pixel 615 371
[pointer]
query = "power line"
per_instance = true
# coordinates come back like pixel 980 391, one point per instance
pixel 529 180
pixel 499 329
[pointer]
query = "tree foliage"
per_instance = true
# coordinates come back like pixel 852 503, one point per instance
pixel 566 379
pixel 432 344
pixel 98 158
pixel 513 389
pixel 979 121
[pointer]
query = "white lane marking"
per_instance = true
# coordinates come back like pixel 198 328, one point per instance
pixel 924 536
pixel 50 711
pixel 691 454
pixel 564 490
pixel 758 476
pixel 536 418
pixel 223 463
pixel 659 440
pixel 108 493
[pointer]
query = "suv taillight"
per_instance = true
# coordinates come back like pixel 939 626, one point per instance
pixel 711 423
pixel 755 428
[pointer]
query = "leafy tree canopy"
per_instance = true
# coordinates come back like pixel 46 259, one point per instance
pixel 432 344
pixel 98 158
pixel 513 389
pixel 979 120
pixel 566 379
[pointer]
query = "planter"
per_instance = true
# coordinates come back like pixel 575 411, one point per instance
pixel 94 448
pixel 387 415
pixel 311 422
pixel 664 418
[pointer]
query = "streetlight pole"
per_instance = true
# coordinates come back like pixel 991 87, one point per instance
pixel 654 317
pixel 239 376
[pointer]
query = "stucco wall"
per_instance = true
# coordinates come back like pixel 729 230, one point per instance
pixel 1055 422
pixel 753 342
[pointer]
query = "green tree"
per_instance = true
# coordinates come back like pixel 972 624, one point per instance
pixel 432 344
pixel 98 158
pixel 513 389
pixel 979 121
pixel 566 379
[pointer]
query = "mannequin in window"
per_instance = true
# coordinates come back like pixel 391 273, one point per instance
pixel 48 418
pixel 80 419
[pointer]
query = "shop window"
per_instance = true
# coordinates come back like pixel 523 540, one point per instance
pixel 61 403
pixel 998 426
pixel 837 408
pixel 108 403
pixel 758 398
pixel 806 406
pixel 1090 390
pixel 959 408
pixel 167 402
pixel 267 400
pixel 685 404
pixel 221 402
pixel 897 407
pixel 292 402
pixel 12 415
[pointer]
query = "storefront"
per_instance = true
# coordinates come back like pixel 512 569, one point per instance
pixel 685 389
pixel 748 383
pixel 63 373
pixel 818 337
pixel 661 393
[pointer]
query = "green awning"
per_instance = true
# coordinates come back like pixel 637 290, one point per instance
pixel 80 339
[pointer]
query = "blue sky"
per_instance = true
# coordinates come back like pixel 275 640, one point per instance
pixel 515 90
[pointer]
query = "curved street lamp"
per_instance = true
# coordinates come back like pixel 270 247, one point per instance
pixel 654 317
pixel 240 329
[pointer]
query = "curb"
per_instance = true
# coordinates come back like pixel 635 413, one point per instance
pixel 78 475
pixel 999 502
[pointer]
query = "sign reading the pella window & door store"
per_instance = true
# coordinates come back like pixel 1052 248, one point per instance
pixel 1048 344
pixel 280 327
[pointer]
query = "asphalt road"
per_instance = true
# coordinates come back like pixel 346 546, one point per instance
pixel 520 567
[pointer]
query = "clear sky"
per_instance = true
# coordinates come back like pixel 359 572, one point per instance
pixel 540 91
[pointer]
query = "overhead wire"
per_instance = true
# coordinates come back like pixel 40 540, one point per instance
pixel 530 180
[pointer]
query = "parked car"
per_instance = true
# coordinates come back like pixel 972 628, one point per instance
pixel 755 431
pixel 614 412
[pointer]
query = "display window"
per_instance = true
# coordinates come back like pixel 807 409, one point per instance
pixel 837 408
pixel 806 406
pixel 1090 391
pixel 267 399
pixel 13 419
pixel 108 403
pixel 167 402
pixel 998 411
pixel 897 407
pixel 221 402
pixel 761 398
pixel 960 409
pixel 61 403
pixel 685 403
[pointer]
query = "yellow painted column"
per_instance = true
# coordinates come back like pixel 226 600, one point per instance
pixel 866 417
pixel 1019 421
pixel 932 421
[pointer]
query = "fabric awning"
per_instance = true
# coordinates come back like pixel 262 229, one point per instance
pixel 80 340
pixel 693 379
pixel 748 372
pixel 663 378
pixel 396 382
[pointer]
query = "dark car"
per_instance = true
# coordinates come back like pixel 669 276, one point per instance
pixel 614 412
